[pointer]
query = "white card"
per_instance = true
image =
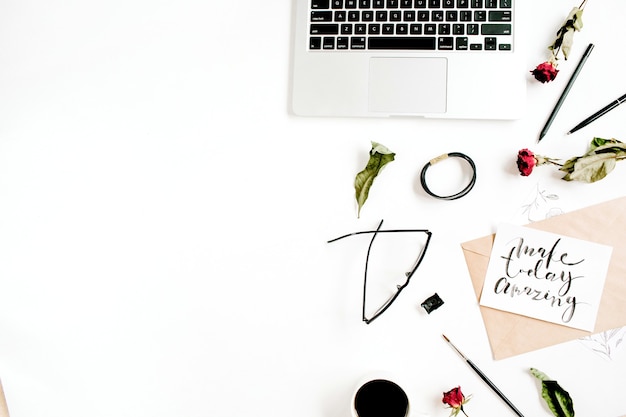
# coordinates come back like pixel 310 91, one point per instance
pixel 546 276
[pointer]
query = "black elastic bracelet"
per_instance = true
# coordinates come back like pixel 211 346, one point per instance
pixel 441 158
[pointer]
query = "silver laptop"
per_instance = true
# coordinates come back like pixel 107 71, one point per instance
pixel 429 58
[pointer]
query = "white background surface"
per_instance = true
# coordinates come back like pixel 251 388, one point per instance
pixel 163 220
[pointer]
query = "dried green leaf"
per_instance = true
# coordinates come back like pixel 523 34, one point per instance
pixel 567 42
pixel 565 34
pixel 575 23
pixel 568 166
pixel 590 168
pixel 379 157
pixel 617 148
pixel 597 163
pixel 597 142
pixel 539 375
pixel 576 15
pixel 557 399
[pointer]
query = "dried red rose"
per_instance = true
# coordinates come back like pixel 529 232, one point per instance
pixel 455 400
pixel 526 162
pixel 597 163
pixel 545 72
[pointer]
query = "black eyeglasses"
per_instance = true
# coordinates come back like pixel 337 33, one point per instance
pixel 408 274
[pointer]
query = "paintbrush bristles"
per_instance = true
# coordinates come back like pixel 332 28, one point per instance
pixel 454 347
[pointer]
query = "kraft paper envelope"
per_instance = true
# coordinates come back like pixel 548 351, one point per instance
pixel 512 334
pixel 4 411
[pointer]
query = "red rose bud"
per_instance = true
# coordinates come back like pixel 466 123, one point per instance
pixel 454 398
pixel 526 161
pixel 545 72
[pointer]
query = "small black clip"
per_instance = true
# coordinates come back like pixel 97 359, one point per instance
pixel 432 303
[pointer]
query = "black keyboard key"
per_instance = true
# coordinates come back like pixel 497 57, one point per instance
pixel 491 4
pixel 337 4
pixel 357 42
pixel 378 4
pixel 346 29
pixel 490 44
pixel 406 4
pixel 505 4
pixel 402 29
pixel 414 43
pixel 500 16
pixel 343 42
pixel 388 29
pixel 476 47
pixel 373 29
pixel 324 29
pixel 319 16
pixel 365 4
pixel 421 4
pixel 381 16
pixel 434 4
pixel 320 4
pixel 495 29
pixel 328 43
pixel 465 16
pixel 340 16
pixel 462 43
pixel 446 43
pixel 448 4
pixel 315 43
pixel 392 4
pixel 504 47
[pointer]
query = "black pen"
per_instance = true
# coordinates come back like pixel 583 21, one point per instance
pixel 568 87
pixel 598 114
pixel 484 378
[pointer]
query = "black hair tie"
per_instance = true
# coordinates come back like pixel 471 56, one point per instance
pixel 441 158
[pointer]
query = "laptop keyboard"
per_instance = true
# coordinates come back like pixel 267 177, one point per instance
pixel 445 25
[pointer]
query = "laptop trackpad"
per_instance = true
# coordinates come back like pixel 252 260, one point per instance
pixel 408 85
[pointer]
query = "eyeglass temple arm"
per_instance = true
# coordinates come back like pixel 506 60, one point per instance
pixel 379 231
